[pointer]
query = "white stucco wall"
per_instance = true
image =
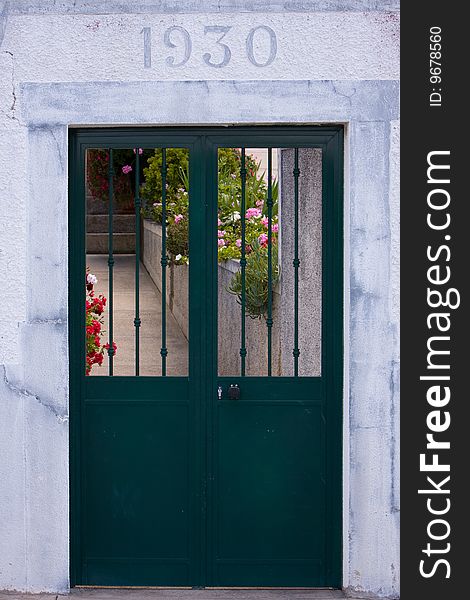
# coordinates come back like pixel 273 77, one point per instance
pixel 64 64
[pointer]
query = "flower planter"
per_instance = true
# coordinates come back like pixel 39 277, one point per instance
pixel 256 338
pixel 229 313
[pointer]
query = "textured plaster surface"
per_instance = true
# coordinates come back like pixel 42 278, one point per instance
pixel 195 6
pixel 110 47
pixel 373 514
pixel 64 64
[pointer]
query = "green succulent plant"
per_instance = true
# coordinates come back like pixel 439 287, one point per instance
pixel 256 280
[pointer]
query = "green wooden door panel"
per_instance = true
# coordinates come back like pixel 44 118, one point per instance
pixel 270 483
pixel 135 507
pixel 171 486
pixel 123 485
pixel 130 572
pixel 270 493
pixel 261 574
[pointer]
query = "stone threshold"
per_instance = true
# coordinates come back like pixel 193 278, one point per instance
pixel 183 594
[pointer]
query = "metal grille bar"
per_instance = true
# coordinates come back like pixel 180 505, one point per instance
pixel 296 262
pixel 243 262
pixel 164 263
pixel 110 260
pixel 137 321
pixel 269 203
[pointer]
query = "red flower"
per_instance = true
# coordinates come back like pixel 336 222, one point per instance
pixel 98 305
pixel 94 306
pixel 98 358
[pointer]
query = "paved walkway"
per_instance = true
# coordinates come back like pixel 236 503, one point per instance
pixel 150 315
pixel 145 594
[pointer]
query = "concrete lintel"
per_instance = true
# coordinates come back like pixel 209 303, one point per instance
pixel 207 102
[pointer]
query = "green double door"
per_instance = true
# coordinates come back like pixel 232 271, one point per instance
pixel 206 450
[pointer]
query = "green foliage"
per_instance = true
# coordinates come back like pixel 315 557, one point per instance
pixel 229 201
pixel 177 199
pixel 178 240
pixel 230 184
pixel 256 288
pixel 177 163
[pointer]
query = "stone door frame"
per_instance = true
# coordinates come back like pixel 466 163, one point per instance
pixel 369 111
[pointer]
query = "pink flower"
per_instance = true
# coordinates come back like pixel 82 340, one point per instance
pixel 126 169
pixel 140 150
pixel 221 243
pixel 220 233
pixel 264 220
pixel 275 227
pixel 238 243
pixel 259 203
pixel 178 218
pixel 219 222
pixel 263 239
pixel 253 213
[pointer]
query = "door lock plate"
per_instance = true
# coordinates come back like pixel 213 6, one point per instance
pixel 234 392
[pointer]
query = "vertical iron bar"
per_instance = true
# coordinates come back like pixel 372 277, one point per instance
pixel 296 262
pixel 269 320
pixel 243 262
pixel 137 320
pixel 110 259
pixel 164 262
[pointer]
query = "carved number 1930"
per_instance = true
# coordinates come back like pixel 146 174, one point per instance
pixel 178 38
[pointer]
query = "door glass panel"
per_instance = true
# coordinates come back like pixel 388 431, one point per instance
pixel 269 239
pixel 137 261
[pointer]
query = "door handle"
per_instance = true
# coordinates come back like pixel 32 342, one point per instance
pixel 233 392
